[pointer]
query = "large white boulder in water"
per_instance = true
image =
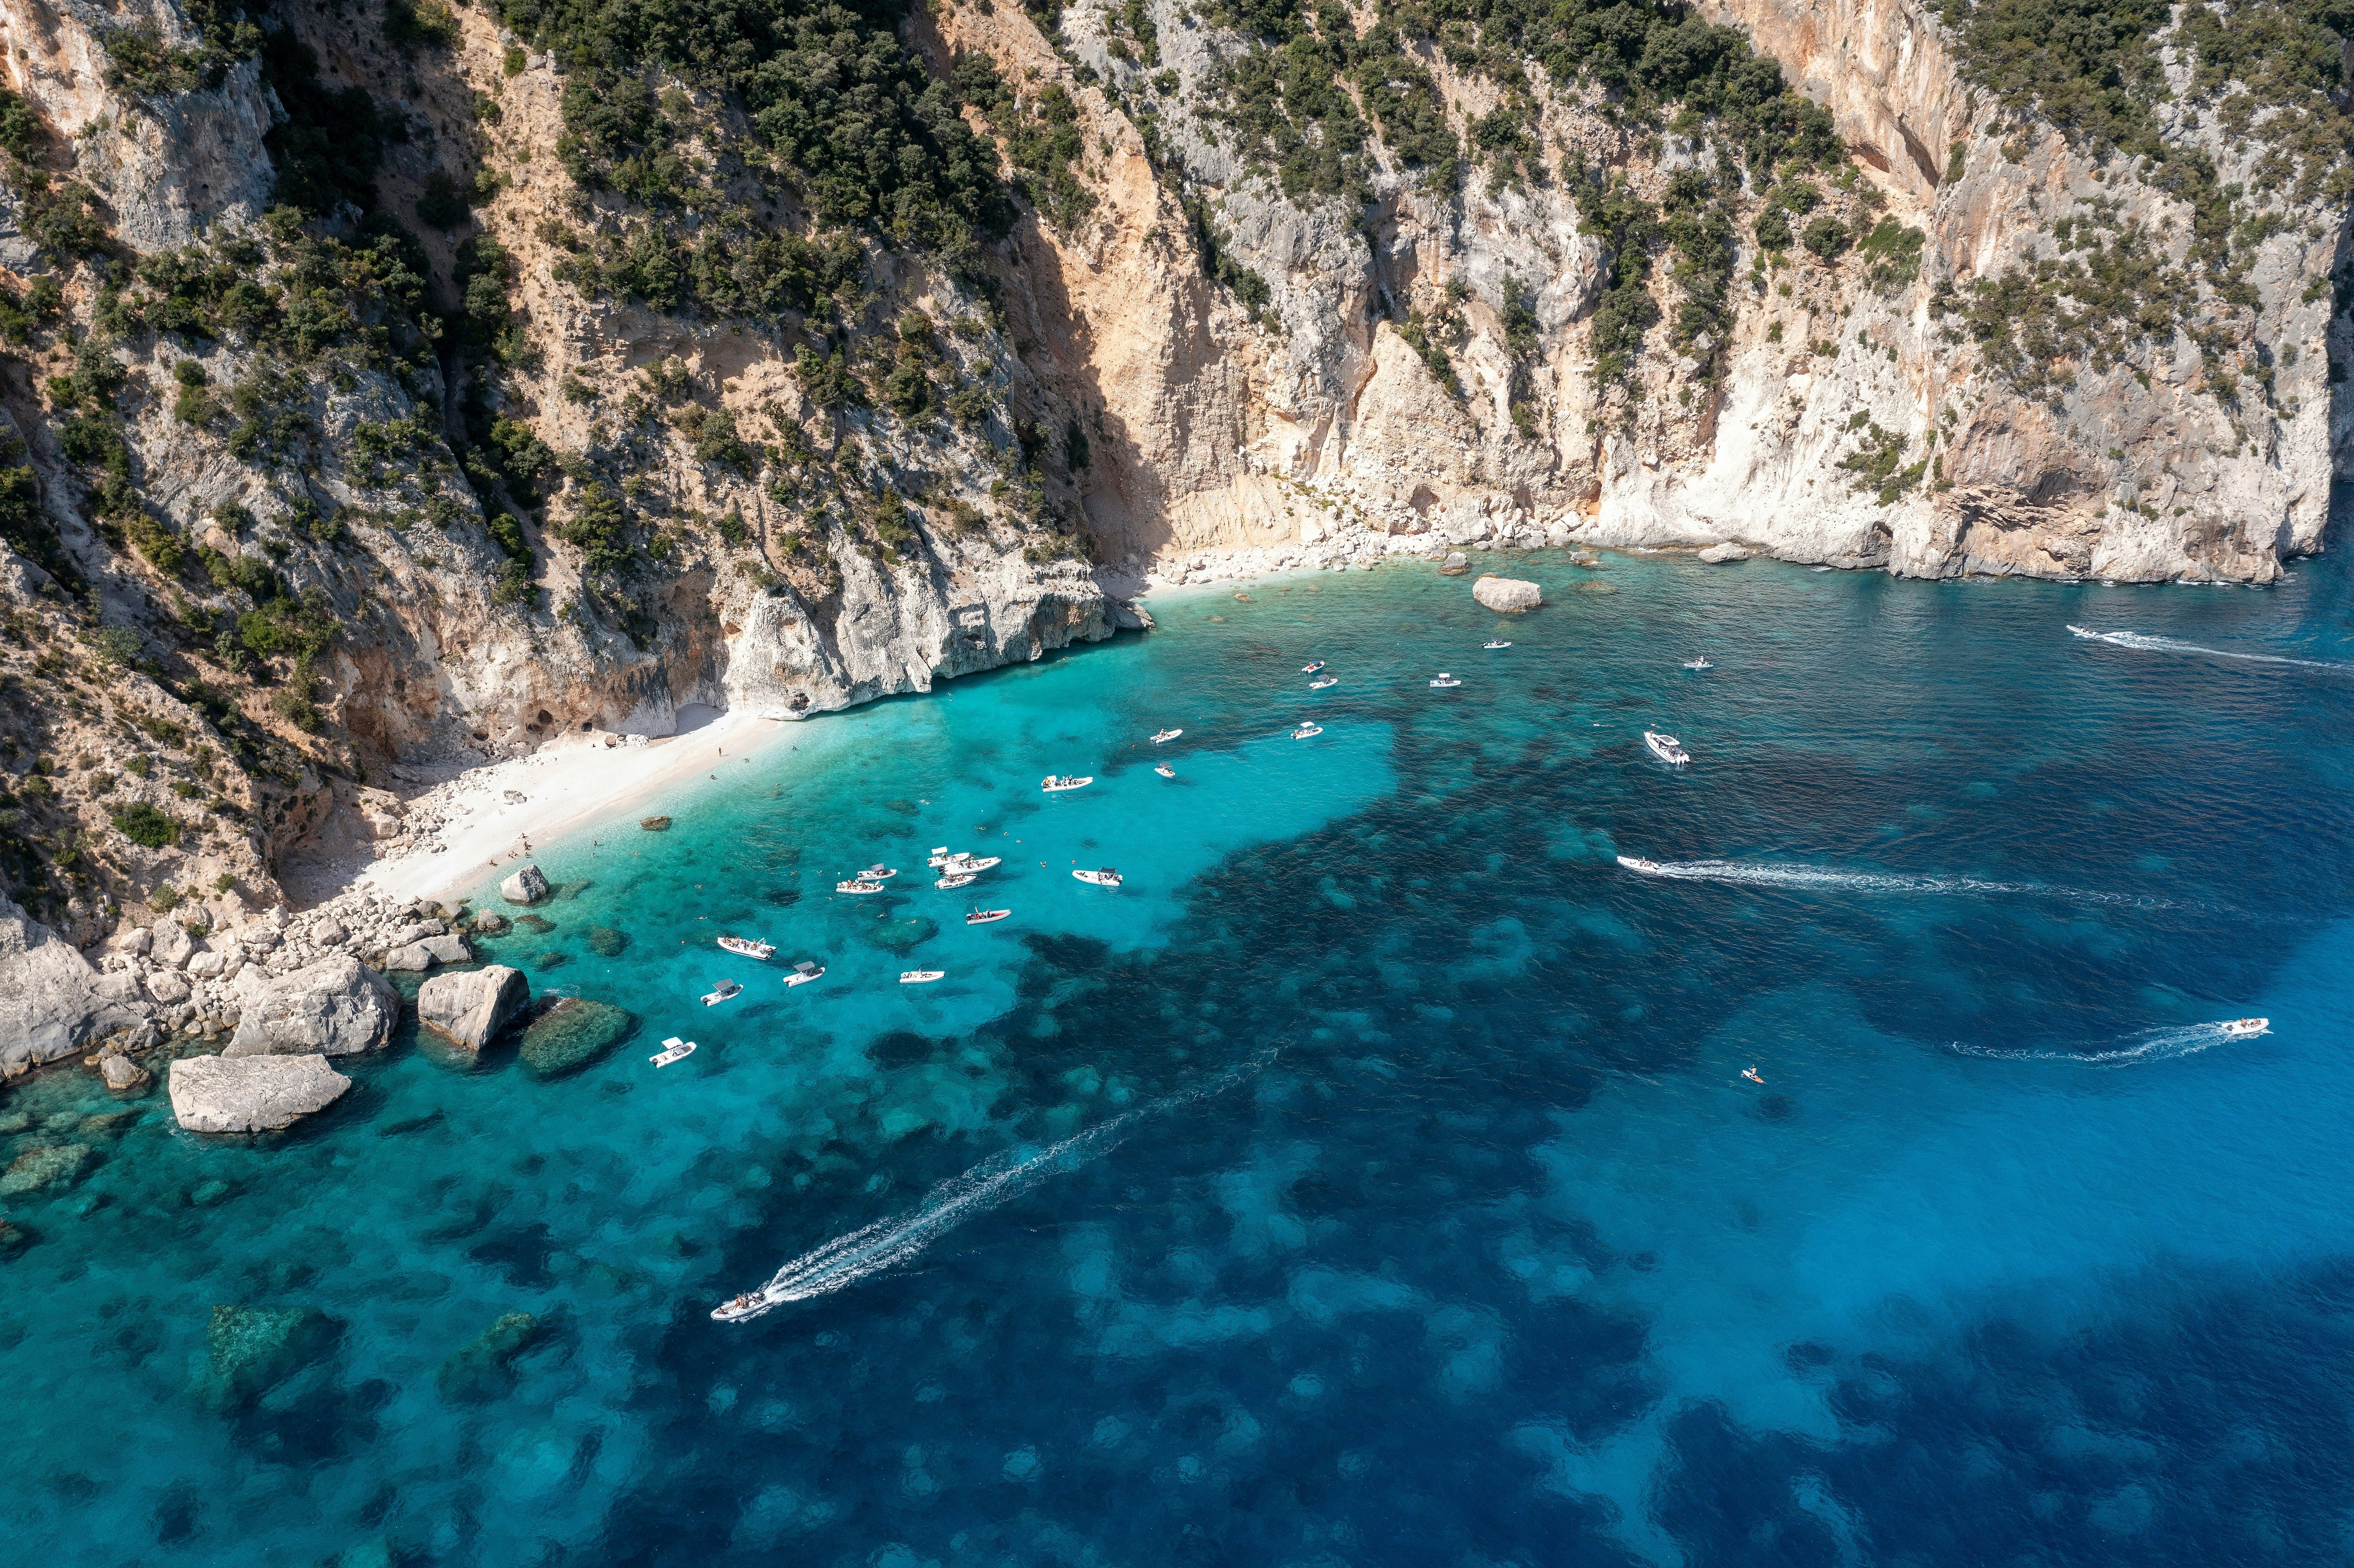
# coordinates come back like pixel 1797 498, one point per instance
pixel 525 886
pixel 1507 596
pixel 251 1094
pixel 468 1010
pixel 52 1001
pixel 1718 554
pixel 336 1007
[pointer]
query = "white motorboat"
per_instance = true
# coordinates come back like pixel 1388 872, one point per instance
pixel 728 989
pixel 955 879
pixel 1311 669
pixel 749 947
pixel 941 855
pixel 2244 1028
pixel 1700 663
pixel 1666 747
pixel 1164 771
pixel 1321 682
pixel 878 871
pixel 984 916
pixel 803 973
pixel 858 887
pixel 673 1050
pixel 920 977
pixel 751 1304
pixel 1107 877
pixel 1054 784
pixel 973 864
pixel 1445 680
pixel 1308 732
pixel 1495 643
pixel 1637 863
pixel 1166 735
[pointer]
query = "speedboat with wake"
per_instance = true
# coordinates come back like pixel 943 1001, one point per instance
pixel 1107 877
pixel 1166 735
pixel 1495 643
pixel 1667 748
pixel 1637 863
pixel 1320 681
pixel 1056 783
pixel 2246 1028
pixel 673 1050
pixel 919 977
pixel 1308 732
pixel 984 916
pixel 1164 771
pixel 751 1304
pixel 747 948
pixel 803 973
pixel 1311 669
pixel 1700 663
pixel 1445 680
pixel 727 990
pixel 858 887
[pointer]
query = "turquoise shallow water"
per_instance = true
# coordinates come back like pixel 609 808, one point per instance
pixel 1371 1178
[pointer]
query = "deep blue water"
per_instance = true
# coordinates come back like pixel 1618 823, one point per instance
pixel 1370 1179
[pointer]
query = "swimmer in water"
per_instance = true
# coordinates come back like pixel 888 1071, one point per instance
pixel 1751 1073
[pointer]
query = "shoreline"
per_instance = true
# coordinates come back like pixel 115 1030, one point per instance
pixel 476 832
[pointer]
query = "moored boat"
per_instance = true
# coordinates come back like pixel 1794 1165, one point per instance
pixel 1164 771
pixel 1166 735
pixel 803 973
pixel 727 990
pixel 1308 732
pixel 749 947
pixel 941 855
pixel 673 1050
pixel 974 863
pixel 984 916
pixel 1495 643
pixel 1311 669
pixel 858 887
pixel 1445 680
pixel 1054 784
pixel 1700 663
pixel 1666 747
pixel 878 871
pixel 955 879
pixel 1320 681
pixel 919 977
pixel 1105 877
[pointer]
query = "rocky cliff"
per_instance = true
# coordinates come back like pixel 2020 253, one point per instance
pixel 396 387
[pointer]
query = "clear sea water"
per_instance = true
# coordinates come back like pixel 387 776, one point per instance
pixel 1371 1179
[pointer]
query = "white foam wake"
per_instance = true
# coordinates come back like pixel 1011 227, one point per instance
pixel 2161 1045
pixel 2143 643
pixel 1757 874
pixel 886 1244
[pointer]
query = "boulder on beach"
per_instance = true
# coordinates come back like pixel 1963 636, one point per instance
pixel 336 1007
pixel 122 1075
pixel 252 1350
pixel 484 1369
pixel 468 1010
pixel 1717 554
pixel 525 886
pixel 606 942
pixel 54 1002
pixel 251 1094
pixel 1507 596
pixel 572 1034
pixel 1455 564
pixel 448 948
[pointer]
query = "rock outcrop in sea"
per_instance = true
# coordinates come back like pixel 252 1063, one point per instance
pixel 336 1007
pixel 251 1094
pixel 469 1010
pixel 1507 596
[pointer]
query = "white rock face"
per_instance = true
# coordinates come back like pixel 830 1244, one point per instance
pixel 469 1010
pixel 1507 596
pixel 52 1001
pixel 168 987
pixel 171 947
pixel 336 1007
pixel 525 886
pixel 133 943
pixel 418 955
pixel 1717 554
pixel 251 1094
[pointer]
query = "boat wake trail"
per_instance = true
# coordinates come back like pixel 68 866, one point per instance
pixel 2147 644
pixel 1766 875
pixel 886 1244
pixel 2161 1045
